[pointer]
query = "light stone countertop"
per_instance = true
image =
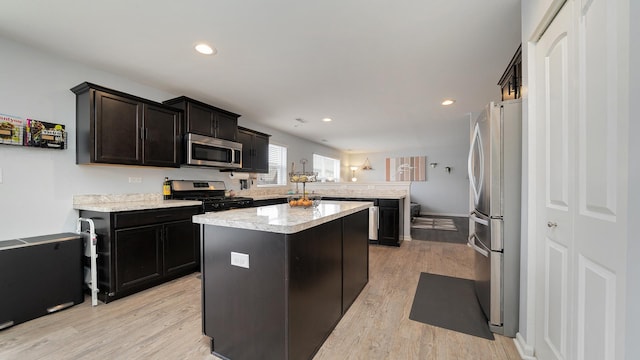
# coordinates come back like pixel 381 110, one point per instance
pixel 282 218
pixel 127 202
pixel 352 195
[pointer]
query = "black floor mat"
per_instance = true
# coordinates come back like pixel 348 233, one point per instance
pixel 449 303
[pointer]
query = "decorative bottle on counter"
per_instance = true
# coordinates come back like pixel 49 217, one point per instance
pixel 166 189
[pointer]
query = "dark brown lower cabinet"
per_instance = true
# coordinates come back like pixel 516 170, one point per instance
pixel 292 292
pixel 390 219
pixel 138 256
pixel 141 249
pixel 389 222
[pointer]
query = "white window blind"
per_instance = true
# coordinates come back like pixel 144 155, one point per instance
pixel 328 169
pixel 277 174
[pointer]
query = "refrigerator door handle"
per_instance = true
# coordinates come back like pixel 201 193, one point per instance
pixel 472 243
pixel 478 220
pixel 476 142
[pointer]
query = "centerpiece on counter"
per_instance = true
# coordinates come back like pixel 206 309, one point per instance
pixel 305 200
pixel 303 177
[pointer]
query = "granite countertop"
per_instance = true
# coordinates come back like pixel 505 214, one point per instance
pixel 334 195
pixel 127 202
pixel 281 218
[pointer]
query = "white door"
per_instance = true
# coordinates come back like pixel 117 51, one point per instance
pixel 601 191
pixel 556 202
pixel 581 162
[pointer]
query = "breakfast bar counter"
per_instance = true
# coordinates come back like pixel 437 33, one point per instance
pixel 277 279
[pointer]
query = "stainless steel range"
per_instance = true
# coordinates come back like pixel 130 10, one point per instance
pixel 211 193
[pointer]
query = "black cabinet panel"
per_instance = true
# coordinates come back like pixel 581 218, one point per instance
pixel 261 153
pixel 244 308
pixel 389 219
pixel 511 81
pixel 141 249
pixel 138 256
pixel 148 217
pixel 180 249
pixel 355 266
pixel 207 120
pixel 290 297
pixel 255 150
pixel 226 126
pixel 117 128
pixel 315 287
pixel 246 139
pixel 200 120
pixel 162 146
pixel 389 225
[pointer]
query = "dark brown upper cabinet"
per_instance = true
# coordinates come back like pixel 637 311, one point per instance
pixel 511 81
pixel 207 120
pixel 117 128
pixel 255 150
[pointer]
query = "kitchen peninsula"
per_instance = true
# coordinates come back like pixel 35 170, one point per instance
pixel 277 279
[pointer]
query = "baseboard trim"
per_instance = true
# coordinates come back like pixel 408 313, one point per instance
pixel 525 350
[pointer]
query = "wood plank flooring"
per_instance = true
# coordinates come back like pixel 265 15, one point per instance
pixel 165 323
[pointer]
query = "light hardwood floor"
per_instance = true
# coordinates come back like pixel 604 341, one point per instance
pixel 165 323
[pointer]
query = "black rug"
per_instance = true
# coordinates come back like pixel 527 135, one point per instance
pixel 449 303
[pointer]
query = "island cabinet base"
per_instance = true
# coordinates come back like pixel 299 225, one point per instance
pixel 278 296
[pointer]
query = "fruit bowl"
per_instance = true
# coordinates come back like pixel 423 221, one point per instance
pixel 305 201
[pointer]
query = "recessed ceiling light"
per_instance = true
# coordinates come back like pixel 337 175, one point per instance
pixel 448 102
pixel 205 49
pixel 327 119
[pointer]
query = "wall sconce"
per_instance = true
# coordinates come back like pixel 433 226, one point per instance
pixel 433 165
pixel 448 169
pixel 353 173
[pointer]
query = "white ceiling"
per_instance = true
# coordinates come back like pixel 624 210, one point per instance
pixel 378 68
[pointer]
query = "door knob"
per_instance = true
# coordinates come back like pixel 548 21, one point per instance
pixel 552 224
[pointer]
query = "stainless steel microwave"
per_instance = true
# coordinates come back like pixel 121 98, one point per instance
pixel 208 151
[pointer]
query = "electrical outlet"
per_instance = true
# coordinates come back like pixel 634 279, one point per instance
pixel 135 180
pixel 240 260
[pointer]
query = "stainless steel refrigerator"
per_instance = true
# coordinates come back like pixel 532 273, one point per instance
pixel 495 171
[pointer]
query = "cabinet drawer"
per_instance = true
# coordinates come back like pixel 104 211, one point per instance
pixel 387 203
pixel 148 217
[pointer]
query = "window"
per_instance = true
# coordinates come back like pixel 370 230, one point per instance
pixel 277 174
pixel 328 169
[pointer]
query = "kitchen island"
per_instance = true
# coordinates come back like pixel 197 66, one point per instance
pixel 277 279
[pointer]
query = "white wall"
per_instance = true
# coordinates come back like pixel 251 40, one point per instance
pixel 443 193
pixel 38 184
